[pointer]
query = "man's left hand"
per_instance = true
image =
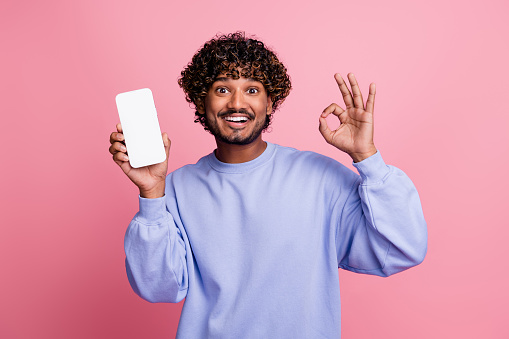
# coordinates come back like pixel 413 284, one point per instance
pixel 355 133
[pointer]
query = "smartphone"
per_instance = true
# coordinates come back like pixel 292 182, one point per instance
pixel 140 126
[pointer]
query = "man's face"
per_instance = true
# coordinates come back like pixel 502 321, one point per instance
pixel 235 110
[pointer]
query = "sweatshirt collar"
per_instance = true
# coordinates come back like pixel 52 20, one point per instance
pixel 244 166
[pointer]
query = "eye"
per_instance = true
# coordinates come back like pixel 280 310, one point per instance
pixel 253 90
pixel 221 90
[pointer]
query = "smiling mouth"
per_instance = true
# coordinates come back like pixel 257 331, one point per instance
pixel 236 119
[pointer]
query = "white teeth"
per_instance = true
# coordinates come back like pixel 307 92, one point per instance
pixel 236 119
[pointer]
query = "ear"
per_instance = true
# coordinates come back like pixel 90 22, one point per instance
pixel 269 105
pixel 200 107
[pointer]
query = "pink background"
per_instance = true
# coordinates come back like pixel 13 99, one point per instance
pixel 442 75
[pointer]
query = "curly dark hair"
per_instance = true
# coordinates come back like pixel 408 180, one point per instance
pixel 225 54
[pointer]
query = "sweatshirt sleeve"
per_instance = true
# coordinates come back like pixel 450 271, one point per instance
pixel 382 230
pixel 156 254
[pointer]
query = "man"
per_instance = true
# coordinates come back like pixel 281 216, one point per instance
pixel 252 235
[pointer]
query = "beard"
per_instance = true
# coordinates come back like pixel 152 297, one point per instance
pixel 235 138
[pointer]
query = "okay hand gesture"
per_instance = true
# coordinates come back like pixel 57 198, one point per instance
pixel 355 133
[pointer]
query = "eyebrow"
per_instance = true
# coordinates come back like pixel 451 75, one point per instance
pixel 226 79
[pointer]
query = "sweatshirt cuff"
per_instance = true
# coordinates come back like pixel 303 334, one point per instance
pixel 373 169
pixel 152 211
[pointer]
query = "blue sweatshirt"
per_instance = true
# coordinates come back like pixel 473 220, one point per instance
pixel 255 247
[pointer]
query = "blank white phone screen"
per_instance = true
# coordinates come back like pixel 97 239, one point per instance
pixel 140 126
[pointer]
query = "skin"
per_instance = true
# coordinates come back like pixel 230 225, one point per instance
pixel 149 179
pixel 239 142
pixel 237 98
pixel 354 135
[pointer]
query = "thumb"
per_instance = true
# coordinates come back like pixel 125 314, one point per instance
pixel 167 144
pixel 324 129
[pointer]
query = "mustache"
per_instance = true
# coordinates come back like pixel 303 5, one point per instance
pixel 239 111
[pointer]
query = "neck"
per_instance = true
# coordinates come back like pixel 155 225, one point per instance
pixel 235 154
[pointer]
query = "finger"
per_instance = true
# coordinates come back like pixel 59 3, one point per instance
pixel 117 147
pixel 370 104
pixel 357 95
pixel 334 109
pixel 120 157
pixel 324 129
pixel 167 144
pixel 123 163
pixel 166 140
pixel 345 92
pixel 116 137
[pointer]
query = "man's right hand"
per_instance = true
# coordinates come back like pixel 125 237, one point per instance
pixel 149 179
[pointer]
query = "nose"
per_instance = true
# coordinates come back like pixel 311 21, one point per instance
pixel 237 100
